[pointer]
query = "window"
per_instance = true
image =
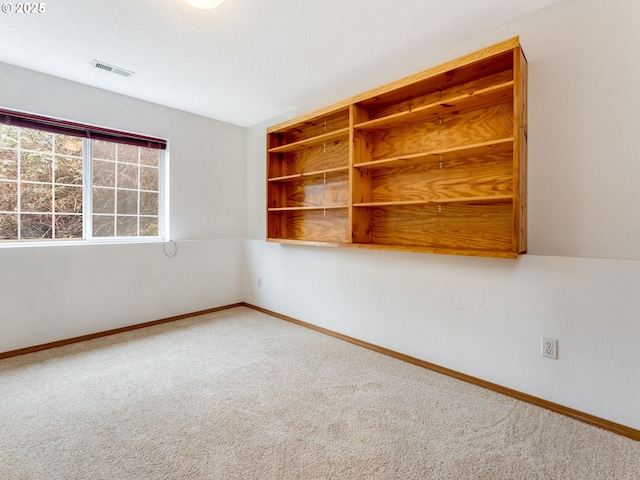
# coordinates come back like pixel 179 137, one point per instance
pixel 125 190
pixel 60 180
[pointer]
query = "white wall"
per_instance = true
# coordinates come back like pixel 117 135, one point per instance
pixel 484 317
pixel 49 293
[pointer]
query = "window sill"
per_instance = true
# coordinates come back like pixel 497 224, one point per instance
pixel 60 243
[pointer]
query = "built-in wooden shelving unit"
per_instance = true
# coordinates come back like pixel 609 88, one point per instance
pixel 435 162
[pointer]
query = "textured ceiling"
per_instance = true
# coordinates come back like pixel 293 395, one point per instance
pixel 248 60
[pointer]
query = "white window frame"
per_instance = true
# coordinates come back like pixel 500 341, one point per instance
pixel 87 207
pixel 87 200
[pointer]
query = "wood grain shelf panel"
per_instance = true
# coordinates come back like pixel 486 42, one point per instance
pixel 329 225
pixel 488 96
pixel 306 242
pixel 439 201
pixel 342 134
pixel 309 175
pixel 435 250
pixel 456 226
pixel 478 149
pixel 298 209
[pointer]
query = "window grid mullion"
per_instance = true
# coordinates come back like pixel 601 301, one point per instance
pixel 163 186
pixel 53 190
pixel 87 186
pixel 138 193
pixel 115 200
pixel 19 189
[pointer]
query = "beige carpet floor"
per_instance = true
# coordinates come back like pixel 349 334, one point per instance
pixel 241 395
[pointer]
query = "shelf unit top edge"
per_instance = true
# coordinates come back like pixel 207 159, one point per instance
pixel 459 62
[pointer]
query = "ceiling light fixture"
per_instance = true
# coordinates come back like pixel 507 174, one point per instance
pixel 205 4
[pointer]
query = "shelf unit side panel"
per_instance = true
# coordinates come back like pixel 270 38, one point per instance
pixel 269 169
pixel 520 126
pixel 275 195
pixel 275 226
pixel 276 165
pixel 274 140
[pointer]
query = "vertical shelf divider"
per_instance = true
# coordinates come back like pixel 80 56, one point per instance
pixel 360 184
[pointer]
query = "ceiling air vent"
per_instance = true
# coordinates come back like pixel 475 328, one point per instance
pixel 111 68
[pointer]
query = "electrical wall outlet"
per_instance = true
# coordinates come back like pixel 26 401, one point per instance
pixel 550 347
pixel 259 282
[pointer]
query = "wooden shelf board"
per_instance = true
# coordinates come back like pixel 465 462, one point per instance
pixel 439 201
pixel 286 178
pixel 312 142
pixel 299 209
pixel 442 108
pixel 400 248
pixel 291 241
pixel 317 174
pixel 491 147
pixel 444 251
